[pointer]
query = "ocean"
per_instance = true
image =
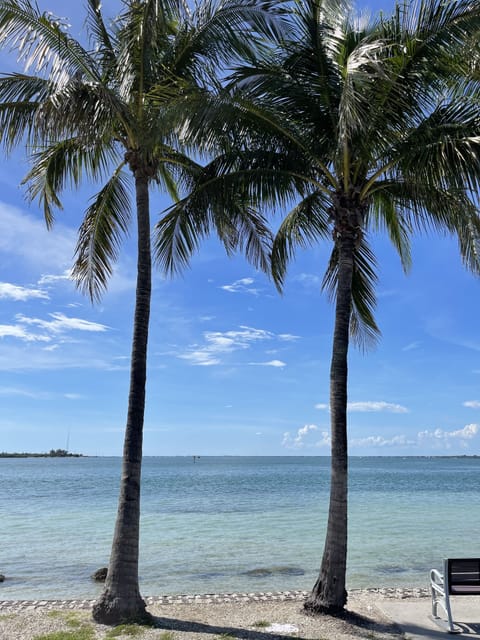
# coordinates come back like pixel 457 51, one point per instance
pixel 232 524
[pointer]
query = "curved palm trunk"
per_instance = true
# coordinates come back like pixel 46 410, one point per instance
pixel 121 600
pixel 329 594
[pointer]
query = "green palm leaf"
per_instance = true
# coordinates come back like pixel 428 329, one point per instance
pixel 105 224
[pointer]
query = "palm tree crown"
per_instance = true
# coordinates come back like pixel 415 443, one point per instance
pixel 369 125
pixel 114 112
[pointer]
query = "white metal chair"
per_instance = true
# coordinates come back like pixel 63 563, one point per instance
pixel 461 577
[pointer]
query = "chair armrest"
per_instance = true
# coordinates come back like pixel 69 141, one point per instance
pixel 436 581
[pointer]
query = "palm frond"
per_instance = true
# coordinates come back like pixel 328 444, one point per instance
pixel 218 201
pixel 306 224
pixel 445 148
pixel 384 214
pixel 43 43
pixel 64 164
pixel 102 40
pixel 20 98
pixel 364 330
pixel 101 232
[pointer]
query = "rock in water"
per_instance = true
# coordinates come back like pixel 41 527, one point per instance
pixel 100 575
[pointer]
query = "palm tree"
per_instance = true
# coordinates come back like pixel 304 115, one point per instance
pixel 113 113
pixel 367 124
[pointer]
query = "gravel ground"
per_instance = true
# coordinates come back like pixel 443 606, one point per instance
pixel 232 617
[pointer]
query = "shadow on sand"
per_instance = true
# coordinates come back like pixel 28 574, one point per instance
pixel 354 623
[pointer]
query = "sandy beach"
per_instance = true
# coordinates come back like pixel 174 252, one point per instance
pixel 236 616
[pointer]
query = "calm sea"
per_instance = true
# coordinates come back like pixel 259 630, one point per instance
pixel 228 524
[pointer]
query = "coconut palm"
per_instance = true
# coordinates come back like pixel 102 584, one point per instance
pixel 112 113
pixel 367 122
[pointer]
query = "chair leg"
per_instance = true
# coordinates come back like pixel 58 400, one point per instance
pixel 452 628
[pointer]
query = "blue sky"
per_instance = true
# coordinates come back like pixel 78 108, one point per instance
pixel 234 368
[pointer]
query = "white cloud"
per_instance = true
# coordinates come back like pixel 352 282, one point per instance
pixel 272 363
pixel 380 441
pixel 468 432
pixel 241 286
pixel 37 330
pixel 52 278
pixel 218 344
pixel 304 438
pixel 287 337
pixel 297 441
pixel 472 404
pixel 200 358
pixel 19 332
pixel 376 406
pixel 62 323
pixel 15 292
pixel 436 439
pixel 369 406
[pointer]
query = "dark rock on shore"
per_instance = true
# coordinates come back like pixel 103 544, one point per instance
pixel 2 577
pixel 100 575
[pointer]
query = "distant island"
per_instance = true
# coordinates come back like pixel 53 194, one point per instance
pixel 53 453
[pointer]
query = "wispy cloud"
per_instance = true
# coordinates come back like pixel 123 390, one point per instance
pixel 380 441
pixel 472 404
pixel 241 286
pixel 25 393
pixel 14 292
pixel 369 406
pixel 308 280
pixel 272 363
pixel 20 332
pixel 62 323
pixel 25 327
pixel 218 344
pixel 412 346
pixel 376 406
pixel 26 236
pixel 54 278
pixel 37 395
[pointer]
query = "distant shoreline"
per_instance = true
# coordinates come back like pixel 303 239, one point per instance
pixel 53 453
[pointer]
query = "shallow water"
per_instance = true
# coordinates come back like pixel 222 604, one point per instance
pixel 232 524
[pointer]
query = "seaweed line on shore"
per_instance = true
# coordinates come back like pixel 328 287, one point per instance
pixel 11 606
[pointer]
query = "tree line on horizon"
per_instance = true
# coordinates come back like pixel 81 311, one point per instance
pixel 342 126
pixel 53 453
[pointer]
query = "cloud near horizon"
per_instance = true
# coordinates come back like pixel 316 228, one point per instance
pixel 369 406
pixel 297 441
pixel 437 439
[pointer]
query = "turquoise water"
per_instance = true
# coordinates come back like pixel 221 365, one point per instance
pixel 209 527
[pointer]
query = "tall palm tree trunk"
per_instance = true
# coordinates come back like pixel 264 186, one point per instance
pixel 329 594
pixel 121 599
